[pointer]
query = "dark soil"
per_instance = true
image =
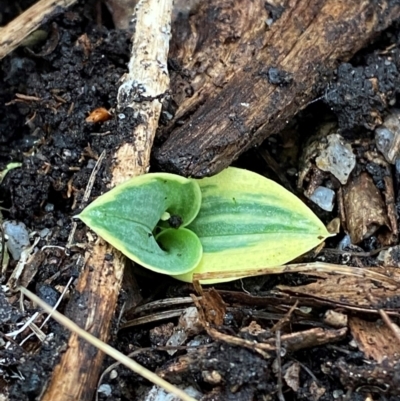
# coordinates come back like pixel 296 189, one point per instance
pixel 58 150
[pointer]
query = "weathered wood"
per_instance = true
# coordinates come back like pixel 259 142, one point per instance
pixel 210 47
pixel 122 10
pixel 76 375
pixel 18 29
pixel 289 64
pixel 93 306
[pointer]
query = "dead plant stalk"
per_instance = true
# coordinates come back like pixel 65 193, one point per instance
pixel 100 281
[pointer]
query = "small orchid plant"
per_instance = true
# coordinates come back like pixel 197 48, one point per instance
pixel 236 220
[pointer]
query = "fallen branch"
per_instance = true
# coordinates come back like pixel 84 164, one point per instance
pixel 247 104
pixel 18 29
pixel 92 308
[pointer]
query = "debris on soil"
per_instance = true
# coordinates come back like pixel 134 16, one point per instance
pixel 364 207
pixel 17 237
pixel 301 336
pixel 243 107
pixel 361 94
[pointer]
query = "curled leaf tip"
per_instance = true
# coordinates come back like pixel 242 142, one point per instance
pixel 234 221
pixel 131 218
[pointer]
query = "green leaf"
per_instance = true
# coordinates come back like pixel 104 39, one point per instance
pixel 234 221
pixel 10 166
pixel 127 216
pixel 248 222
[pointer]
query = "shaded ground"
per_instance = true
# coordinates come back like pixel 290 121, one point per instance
pixel 76 70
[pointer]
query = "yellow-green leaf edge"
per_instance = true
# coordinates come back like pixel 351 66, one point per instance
pixel 235 200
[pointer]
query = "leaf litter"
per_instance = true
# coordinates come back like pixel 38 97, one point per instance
pixel 234 355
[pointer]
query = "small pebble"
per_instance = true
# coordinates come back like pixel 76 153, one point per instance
pixel 17 237
pixel 324 198
pixel 44 233
pixel 49 207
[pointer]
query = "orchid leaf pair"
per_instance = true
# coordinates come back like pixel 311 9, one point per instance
pixel 235 220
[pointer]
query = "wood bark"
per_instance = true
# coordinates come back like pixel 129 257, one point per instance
pixel 93 306
pixel 18 29
pixel 238 99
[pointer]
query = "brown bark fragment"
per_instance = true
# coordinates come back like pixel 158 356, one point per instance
pixel 365 209
pixel 348 292
pixel 375 339
pixel 212 308
pixel 75 377
pixel 211 47
pixel 302 48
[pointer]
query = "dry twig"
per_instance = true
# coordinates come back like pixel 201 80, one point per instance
pixel 100 281
pixel 18 29
pixel 125 360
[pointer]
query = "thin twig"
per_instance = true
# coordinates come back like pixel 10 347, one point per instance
pixel 92 178
pixel 279 365
pixel 395 329
pixel 3 246
pixel 107 349
pixel 24 326
pixel 86 196
pixel 54 308
pixel 285 319
pixel 100 279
